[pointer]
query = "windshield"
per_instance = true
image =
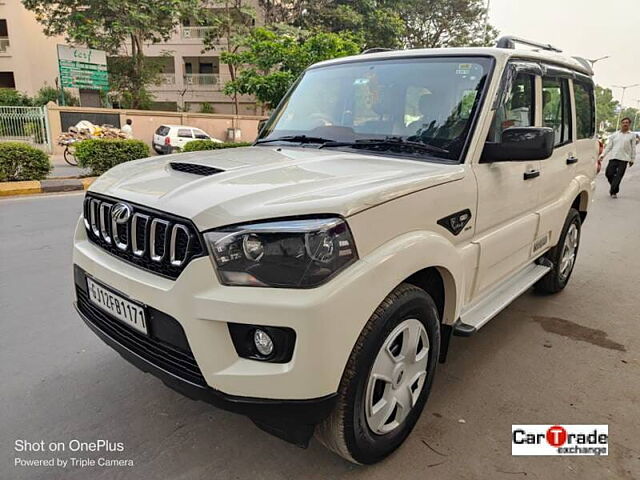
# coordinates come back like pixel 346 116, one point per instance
pixel 429 100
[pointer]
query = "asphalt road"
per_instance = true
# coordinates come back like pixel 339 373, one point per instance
pixel 570 358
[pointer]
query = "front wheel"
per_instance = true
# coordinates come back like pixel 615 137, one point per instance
pixel 387 379
pixel 563 256
pixel 70 156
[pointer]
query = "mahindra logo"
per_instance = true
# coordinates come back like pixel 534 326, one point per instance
pixel 121 213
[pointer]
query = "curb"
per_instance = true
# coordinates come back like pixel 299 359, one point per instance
pixel 9 189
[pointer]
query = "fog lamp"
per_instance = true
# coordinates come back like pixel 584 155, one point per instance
pixel 263 342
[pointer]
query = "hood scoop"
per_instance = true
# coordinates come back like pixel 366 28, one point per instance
pixel 194 168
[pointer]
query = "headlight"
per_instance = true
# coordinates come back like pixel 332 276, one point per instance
pixel 288 253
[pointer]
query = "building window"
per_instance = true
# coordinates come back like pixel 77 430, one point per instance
pixel 7 80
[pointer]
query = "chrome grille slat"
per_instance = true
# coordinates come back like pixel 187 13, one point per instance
pixel 137 251
pixel 151 240
pixel 156 223
pixel 103 212
pixel 173 244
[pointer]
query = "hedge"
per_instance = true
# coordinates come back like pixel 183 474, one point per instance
pixel 198 145
pixel 20 161
pixel 101 154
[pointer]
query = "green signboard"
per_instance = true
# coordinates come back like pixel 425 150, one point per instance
pixel 82 68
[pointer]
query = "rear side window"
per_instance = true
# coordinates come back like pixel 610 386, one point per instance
pixel 200 134
pixel 162 130
pixel 585 110
pixel 556 108
pixel 185 133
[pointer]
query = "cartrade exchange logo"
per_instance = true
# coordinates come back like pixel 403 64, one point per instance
pixel 559 440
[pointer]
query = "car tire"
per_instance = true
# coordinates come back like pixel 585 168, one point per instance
pixel 565 251
pixel 350 429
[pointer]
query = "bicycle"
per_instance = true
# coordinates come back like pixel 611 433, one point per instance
pixel 69 154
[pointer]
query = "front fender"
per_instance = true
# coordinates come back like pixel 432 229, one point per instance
pixel 402 256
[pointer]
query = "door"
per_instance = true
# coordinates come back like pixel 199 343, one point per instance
pixel 508 193
pixel 559 170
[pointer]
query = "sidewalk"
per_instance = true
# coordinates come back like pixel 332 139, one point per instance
pixel 63 169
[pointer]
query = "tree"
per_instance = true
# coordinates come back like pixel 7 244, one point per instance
pixel 13 98
pixel 445 23
pixel 229 26
pixel 109 24
pixel 606 108
pixel 270 61
pixel 375 22
pixel 51 94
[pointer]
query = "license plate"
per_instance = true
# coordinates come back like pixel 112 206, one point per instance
pixel 121 308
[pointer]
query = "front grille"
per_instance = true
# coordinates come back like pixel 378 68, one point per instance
pixel 154 241
pixel 195 168
pixel 173 359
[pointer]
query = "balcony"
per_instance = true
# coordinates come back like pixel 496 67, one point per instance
pixel 204 81
pixel 4 44
pixel 194 32
pixel 167 79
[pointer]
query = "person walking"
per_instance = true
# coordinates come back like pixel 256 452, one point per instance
pixel 621 152
pixel 127 129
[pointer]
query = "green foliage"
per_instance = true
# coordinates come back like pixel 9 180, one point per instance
pixel 376 22
pixel 445 23
pixel 228 24
pixel 51 94
pixel 132 91
pixel 606 107
pixel 101 154
pixel 390 23
pixel 19 161
pixel 199 145
pixel 13 98
pixel 270 61
pixel 109 24
pixel 206 107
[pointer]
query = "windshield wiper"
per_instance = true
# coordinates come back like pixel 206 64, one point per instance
pixel 386 142
pixel 296 139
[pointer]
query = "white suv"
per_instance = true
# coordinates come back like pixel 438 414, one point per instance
pixel 313 281
pixel 173 138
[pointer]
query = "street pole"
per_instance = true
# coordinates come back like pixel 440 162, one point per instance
pixel 486 20
pixel 624 89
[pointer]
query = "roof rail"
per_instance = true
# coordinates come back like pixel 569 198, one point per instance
pixel 376 50
pixel 510 42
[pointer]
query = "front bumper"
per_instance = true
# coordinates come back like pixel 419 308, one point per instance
pixel 291 420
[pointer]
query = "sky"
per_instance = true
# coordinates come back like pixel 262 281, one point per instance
pixel 587 28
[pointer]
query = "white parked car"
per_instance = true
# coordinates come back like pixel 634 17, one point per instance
pixel 172 138
pixel 314 280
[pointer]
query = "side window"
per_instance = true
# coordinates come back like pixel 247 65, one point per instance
pixel 556 108
pixel 519 108
pixel 585 110
pixel 199 134
pixel 185 133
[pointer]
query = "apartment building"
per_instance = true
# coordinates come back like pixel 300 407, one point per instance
pixel 28 59
pixel 191 80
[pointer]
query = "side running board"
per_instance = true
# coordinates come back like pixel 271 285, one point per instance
pixel 478 314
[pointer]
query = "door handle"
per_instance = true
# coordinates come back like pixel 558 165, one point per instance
pixel 531 174
pixel 571 160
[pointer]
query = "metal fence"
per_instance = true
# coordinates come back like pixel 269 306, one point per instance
pixel 25 124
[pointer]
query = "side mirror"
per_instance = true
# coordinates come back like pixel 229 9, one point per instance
pixel 520 143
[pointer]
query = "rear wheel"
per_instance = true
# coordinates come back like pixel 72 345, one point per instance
pixel 563 256
pixel 387 379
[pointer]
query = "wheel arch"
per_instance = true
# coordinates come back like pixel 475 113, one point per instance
pixel 581 204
